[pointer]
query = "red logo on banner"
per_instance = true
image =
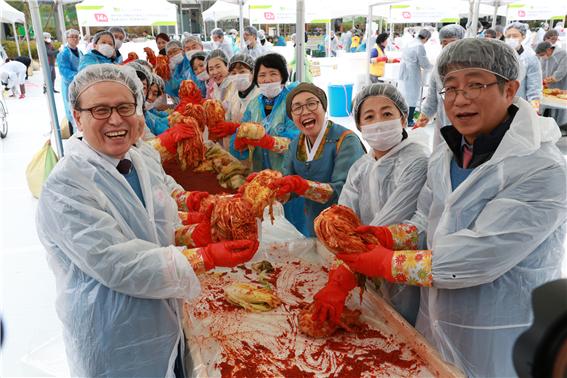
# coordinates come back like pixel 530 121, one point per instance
pixel 406 15
pixel 521 13
pixel 269 16
pixel 101 17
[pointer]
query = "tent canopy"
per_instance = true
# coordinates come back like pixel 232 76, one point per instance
pixel 126 13
pixel 10 15
pixel 221 10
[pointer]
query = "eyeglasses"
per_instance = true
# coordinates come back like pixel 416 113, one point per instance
pixel 311 106
pixel 470 92
pixel 102 112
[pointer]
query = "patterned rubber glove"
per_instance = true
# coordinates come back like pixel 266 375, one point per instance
pixel 395 236
pixel 330 300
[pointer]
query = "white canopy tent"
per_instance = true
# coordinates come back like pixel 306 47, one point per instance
pixel 10 15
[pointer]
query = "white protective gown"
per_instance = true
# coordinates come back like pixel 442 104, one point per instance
pixel 414 62
pixel 383 192
pixel 530 76
pixel 494 239
pixel 119 279
pixel 433 106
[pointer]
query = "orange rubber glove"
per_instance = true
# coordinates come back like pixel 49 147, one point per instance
pixel 330 300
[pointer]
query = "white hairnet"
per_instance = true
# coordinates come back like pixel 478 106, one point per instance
pixel 245 59
pixel 46 35
pixel 542 47
pixel 261 35
pixel 521 27
pixel 379 89
pixel 143 70
pixel 424 34
pixel 71 32
pixel 171 44
pixel 192 38
pixel 98 35
pixel 157 80
pixel 117 29
pixel 97 73
pixel 483 53
pixel 233 31
pixel 251 30
pixel 452 31
pixel 218 53
pixel 218 32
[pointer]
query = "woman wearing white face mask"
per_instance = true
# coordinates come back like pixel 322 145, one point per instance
pixel 179 66
pixel 156 120
pixel 382 186
pixel 119 37
pixel 103 50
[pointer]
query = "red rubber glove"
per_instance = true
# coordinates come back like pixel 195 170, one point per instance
pixel 382 59
pixel 376 263
pixel 193 200
pixel 175 134
pixel 222 129
pixel 383 234
pixel 289 184
pixel 330 300
pixel 396 60
pixel 228 253
pixel 193 217
pixel 202 233
pixel 267 142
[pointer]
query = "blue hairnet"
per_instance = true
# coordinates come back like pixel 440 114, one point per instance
pixel 452 31
pixel 100 34
pixel 487 54
pixel 96 73
pixel 521 27
pixel 379 89
pixel 245 59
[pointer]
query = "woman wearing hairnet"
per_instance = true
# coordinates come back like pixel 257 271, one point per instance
pixel 107 222
pixel 318 160
pixel 216 64
pixel 180 68
pixel 490 220
pixel 530 76
pixel 414 61
pixel 433 103
pixel 382 187
pixel 68 64
pixel 103 50
pixel 241 70
pixel 119 35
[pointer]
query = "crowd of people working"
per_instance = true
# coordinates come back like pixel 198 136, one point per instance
pixel 466 232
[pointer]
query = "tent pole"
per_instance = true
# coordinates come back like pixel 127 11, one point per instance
pixel 241 24
pixel 27 37
pixel 61 20
pixel 300 42
pixel 16 38
pixel 329 53
pixel 495 14
pixel 180 18
pixel 369 44
pixel 42 53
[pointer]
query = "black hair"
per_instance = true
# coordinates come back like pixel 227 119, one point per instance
pixel 381 38
pixel 550 33
pixel 272 60
pixel 198 55
pixel 163 36
pixel 490 32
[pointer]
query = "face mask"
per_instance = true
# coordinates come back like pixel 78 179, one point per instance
pixel 382 136
pixel 149 105
pixel 248 42
pixel 189 54
pixel 513 43
pixel 118 44
pixel 105 50
pixel 203 76
pixel 242 82
pixel 216 44
pixel 175 60
pixel 271 90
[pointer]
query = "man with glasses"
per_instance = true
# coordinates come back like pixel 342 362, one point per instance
pixel 68 63
pixel 490 220
pixel 107 221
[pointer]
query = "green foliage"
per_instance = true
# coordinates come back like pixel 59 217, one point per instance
pixel 10 47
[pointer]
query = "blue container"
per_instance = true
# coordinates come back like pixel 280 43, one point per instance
pixel 340 100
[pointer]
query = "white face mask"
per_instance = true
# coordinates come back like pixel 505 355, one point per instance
pixel 249 42
pixel 382 136
pixel 105 50
pixel 189 54
pixel 513 43
pixel 118 44
pixel 175 60
pixel 242 82
pixel 149 105
pixel 271 90
pixel 203 76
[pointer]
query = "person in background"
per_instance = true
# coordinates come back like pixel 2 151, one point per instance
pixel 12 76
pixel 544 27
pixel 355 42
pixel 499 32
pixel 253 47
pixel 68 63
pixel 433 104
pixel 103 50
pixel 347 40
pixel 490 33
pixel 267 45
pixel 220 42
pixel 119 37
pixel 551 36
pixel 414 62
pixel 280 41
pixel 25 60
pixel 179 67
pixel 156 103
pixel 85 45
pixel 382 187
pixel 318 160
pixel 107 222
pixel 161 41
pixel 476 268
pixel 51 56
pixel 530 74
pixel 554 68
pixel 334 44
pixel 306 63
pixel 378 58
pixel 199 72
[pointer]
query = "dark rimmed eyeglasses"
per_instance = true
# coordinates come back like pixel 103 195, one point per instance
pixel 471 91
pixel 102 112
pixel 311 106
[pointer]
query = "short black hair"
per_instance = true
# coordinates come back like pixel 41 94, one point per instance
pixel 163 36
pixel 490 33
pixel 272 60
pixel 382 37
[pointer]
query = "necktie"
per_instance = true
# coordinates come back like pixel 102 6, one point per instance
pixel 124 166
pixel 467 156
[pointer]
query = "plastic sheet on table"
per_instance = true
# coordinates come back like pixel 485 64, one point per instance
pixel 281 230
